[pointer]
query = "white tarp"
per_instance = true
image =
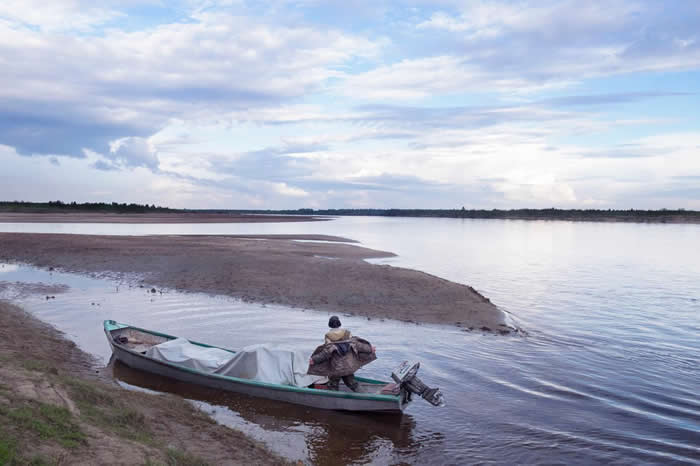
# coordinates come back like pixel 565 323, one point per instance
pixel 266 363
pixel 263 363
pixel 183 353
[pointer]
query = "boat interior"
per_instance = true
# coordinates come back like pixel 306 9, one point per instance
pixel 136 340
pixel 140 341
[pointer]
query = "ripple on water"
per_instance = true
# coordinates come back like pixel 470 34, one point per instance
pixel 606 374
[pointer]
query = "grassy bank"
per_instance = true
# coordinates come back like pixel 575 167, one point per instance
pixel 55 409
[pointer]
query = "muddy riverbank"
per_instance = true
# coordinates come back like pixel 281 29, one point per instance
pixel 57 408
pixel 326 276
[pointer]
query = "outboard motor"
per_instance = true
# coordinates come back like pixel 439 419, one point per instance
pixel 405 376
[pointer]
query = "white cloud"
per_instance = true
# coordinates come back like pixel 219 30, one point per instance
pixel 286 190
pixel 516 47
pixel 57 15
pixel 122 84
pixel 480 19
pixel 134 152
pixel 438 76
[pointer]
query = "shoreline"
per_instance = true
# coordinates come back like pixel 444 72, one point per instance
pixel 147 218
pixel 69 216
pixel 56 404
pixel 673 216
pixel 269 269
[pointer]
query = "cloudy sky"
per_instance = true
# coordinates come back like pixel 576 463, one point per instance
pixel 288 104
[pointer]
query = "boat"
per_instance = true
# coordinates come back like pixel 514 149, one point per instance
pixel 130 346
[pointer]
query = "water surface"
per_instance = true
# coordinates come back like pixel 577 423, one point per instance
pixel 608 371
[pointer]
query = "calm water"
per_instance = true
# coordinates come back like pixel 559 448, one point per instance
pixel 608 371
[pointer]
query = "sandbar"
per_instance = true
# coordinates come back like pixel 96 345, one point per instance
pixel 327 276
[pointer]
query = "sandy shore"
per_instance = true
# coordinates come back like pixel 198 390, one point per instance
pixel 184 217
pixel 267 269
pixel 57 408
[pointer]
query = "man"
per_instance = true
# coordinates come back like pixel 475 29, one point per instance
pixel 336 333
pixel 340 356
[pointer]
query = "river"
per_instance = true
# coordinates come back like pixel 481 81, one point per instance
pixel 606 371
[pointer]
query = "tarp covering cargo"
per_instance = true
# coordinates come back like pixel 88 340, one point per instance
pixel 263 363
pixel 266 363
pixel 183 353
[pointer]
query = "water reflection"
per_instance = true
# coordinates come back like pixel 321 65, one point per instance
pixel 328 436
pixel 608 372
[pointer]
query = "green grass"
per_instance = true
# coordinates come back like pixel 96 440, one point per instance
pixel 38 461
pixel 179 458
pixel 8 457
pixel 102 408
pixel 41 461
pixel 38 366
pixel 86 393
pixel 8 447
pixel 45 420
pixel 24 422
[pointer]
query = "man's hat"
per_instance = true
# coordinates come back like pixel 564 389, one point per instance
pixel 334 322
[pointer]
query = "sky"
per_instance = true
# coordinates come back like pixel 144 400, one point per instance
pixel 351 104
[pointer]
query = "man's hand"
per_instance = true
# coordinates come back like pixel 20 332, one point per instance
pixel 311 362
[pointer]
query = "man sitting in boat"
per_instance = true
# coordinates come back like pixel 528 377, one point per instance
pixel 340 356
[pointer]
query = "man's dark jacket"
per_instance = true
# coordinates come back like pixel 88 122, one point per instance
pixel 340 358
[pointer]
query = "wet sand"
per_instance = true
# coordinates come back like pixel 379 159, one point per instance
pixel 267 269
pixel 175 217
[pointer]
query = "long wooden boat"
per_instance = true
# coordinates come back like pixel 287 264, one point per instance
pixel 129 345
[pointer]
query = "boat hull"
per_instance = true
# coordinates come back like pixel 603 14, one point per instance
pixel 322 399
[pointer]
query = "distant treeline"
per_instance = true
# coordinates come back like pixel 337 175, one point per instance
pixel 594 215
pixel 53 206
pixel 663 215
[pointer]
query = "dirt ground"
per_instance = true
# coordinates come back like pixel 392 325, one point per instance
pixel 56 408
pixel 179 217
pixel 267 269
